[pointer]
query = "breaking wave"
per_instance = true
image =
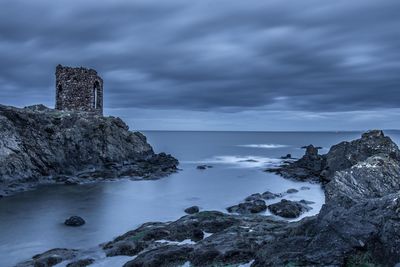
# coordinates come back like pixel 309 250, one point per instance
pixel 264 146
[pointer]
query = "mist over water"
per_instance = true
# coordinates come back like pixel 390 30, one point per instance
pixel 32 222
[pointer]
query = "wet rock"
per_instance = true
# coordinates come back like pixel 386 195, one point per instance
pixel 305 188
pixel 249 160
pixel 268 195
pixel 49 258
pixel 306 202
pixel 308 167
pixel 288 156
pixel 254 206
pixel 204 167
pixel 197 234
pixel 81 263
pixel 288 209
pixel 75 221
pixel 292 190
pixel 321 168
pixel 253 197
pixel 192 210
pixel 172 255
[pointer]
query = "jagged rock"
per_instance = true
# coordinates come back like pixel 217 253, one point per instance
pixel 288 156
pixel 375 177
pixel 192 210
pixel 344 155
pixel 288 209
pixel 38 145
pixel 75 221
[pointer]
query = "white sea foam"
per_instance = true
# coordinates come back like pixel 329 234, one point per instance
pixel 268 146
pixel 169 242
pixel 241 161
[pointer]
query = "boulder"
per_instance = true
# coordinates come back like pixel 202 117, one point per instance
pixel 81 263
pixel 204 167
pixel 192 210
pixel 75 221
pixel 254 206
pixel 288 209
pixel 268 195
pixel 292 190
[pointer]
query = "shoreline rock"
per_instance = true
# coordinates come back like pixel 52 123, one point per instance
pixel 39 145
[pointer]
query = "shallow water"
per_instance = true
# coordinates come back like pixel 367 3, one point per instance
pixel 32 222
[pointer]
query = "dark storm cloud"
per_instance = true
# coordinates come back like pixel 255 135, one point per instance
pixel 224 56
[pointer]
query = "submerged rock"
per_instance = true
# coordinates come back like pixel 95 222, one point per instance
pixel 75 221
pixel 292 191
pixel 204 167
pixel 39 145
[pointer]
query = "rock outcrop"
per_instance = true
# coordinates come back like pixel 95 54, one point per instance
pixel 42 145
pixel 344 155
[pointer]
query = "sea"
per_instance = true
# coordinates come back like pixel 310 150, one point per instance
pixel 33 222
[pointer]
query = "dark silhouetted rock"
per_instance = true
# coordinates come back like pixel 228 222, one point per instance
pixel 288 209
pixel 204 167
pixel 197 234
pixel 192 210
pixel 81 263
pixel 253 197
pixel 292 190
pixel 171 255
pixel 288 156
pixel 268 195
pixel 74 221
pixel 254 206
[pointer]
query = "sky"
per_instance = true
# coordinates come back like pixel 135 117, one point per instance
pixel 264 65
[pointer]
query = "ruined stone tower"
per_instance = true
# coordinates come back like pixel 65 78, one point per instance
pixel 79 89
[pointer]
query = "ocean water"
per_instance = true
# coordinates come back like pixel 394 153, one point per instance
pixel 32 222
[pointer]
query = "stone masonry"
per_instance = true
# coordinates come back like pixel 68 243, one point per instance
pixel 79 89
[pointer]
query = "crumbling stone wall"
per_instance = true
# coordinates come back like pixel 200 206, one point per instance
pixel 79 89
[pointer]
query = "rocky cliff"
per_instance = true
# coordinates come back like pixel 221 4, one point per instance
pixel 42 145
